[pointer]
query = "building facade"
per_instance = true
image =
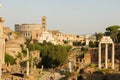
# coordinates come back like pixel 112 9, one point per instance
pixel 26 29
pixel 89 38
pixel 31 31
pixel 48 37
pixel 12 48
pixel 39 33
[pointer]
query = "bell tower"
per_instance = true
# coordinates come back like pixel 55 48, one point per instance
pixel 44 23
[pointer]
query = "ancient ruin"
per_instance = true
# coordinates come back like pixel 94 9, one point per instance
pixel 27 63
pixel 106 40
pixel 1 44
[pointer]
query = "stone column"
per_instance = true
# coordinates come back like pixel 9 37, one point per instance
pixel 113 55
pixel 31 69
pixel 28 62
pixel 99 56
pixel 1 44
pixel 106 56
pixel 0 71
pixel 1 38
pixel 70 66
pixel 3 59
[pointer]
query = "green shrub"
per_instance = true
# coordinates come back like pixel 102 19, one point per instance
pixel 93 65
pixel 9 59
pixel 102 71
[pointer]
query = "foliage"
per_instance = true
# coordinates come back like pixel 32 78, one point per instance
pixel 101 71
pixel 66 73
pixel 52 55
pixel 85 49
pixel 118 36
pixel 9 59
pixel 78 43
pixel 19 55
pixel 65 41
pixel 17 33
pixel 93 44
pixel 93 65
pixel 113 31
pixel 24 51
pixel 33 47
pixel 28 41
pixel 99 36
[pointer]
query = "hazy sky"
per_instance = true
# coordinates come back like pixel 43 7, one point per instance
pixel 68 16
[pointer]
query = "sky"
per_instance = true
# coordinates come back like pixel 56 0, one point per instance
pixel 68 16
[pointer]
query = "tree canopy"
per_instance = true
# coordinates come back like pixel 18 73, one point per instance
pixel 113 31
pixel 99 36
pixel 9 59
pixel 52 55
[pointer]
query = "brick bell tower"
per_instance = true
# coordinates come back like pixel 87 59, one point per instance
pixel 44 23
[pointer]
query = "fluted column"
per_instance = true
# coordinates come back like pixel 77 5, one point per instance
pixel 113 56
pixel 28 70
pixel 106 56
pixel 99 56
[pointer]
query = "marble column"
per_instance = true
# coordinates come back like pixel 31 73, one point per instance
pixel 28 70
pixel 113 56
pixel 106 56
pixel 99 56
